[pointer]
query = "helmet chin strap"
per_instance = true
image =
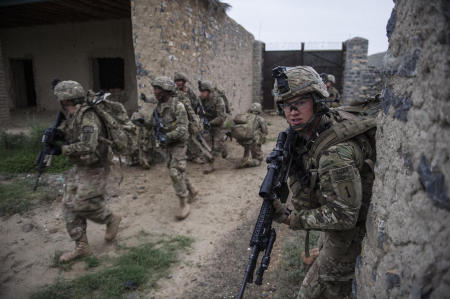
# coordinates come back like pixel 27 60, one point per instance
pixel 304 126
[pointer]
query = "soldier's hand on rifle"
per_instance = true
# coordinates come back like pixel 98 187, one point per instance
pixel 163 139
pixel 281 214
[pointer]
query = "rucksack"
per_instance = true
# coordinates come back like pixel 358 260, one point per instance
pixel 244 127
pixel 225 100
pixel 120 130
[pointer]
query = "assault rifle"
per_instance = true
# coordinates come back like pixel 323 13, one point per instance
pixel 161 138
pixel 273 187
pixel 202 113
pixel 48 140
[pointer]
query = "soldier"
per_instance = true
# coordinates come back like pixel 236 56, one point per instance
pixel 330 180
pixel 197 149
pixel 259 132
pixel 334 95
pixel 174 131
pixel 215 114
pixel 144 134
pixel 180 80
pixel 84 191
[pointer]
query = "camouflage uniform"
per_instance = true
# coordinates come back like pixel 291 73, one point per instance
pixel 334 96
pixel 84 191
pixel 331 188
pixel 174 119
pixel 215 113
pixel 85 183
pixel 253 146
pixel 145 135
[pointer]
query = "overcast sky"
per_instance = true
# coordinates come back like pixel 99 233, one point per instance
pixel 323 24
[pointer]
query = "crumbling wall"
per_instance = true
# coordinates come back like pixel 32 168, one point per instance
pixel 406 253
pixel 190 37
pixel 355 66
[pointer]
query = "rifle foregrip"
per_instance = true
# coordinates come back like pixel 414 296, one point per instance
pixel 263 223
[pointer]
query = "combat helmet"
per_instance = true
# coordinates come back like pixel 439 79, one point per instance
pixel 331 78
pixel 300 80
pixel 295 81
pixel 69 90
pixel 256 108
pixel 180 76
pixel 205 85
pixel 165 83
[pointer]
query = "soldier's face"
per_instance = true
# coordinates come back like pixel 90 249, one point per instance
pixel 298 110
pixel 329 84
pixel 180 84
pixel 204 94
pixel 68 106
pixel 159 93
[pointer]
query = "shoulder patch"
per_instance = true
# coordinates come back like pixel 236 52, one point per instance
pixel 342 174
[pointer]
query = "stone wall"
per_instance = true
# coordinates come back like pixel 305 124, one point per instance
pixel 355 67
pixel 188 36
pixel 4 99
pixel 258 61
pixel 406 253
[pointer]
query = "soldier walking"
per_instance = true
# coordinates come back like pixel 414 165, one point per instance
pixel 171 117
pixel 215 114
pixel 84 191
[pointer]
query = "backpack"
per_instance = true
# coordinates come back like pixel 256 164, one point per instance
pixel 225 100
pixel 244 127
pixel 120 130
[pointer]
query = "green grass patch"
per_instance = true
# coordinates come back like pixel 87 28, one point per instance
pixel 135 268
pixel 19 152
pixel 91 261
pixel 16 195
pixel 292 268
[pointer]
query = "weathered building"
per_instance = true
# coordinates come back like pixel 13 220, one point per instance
pixel 406 253
pixel 119 46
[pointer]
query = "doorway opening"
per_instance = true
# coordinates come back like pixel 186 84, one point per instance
pixel 22 83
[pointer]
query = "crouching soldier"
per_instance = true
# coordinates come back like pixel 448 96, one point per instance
pixel 251 134
pixel 84 192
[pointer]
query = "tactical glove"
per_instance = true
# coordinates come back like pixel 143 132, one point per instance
pixel 281 213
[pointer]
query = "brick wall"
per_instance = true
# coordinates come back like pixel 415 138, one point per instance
pixel 258 62
pixel 4 100
pixel 406 253
pixel 187 36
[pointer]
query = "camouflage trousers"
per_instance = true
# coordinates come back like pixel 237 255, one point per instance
pixel 217 143
pixel 84 198
pixel 176 162
pixel 255 150
pixel 313 286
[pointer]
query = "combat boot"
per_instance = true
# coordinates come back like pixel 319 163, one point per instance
pixel 184 208
pixel 112 228
pixel 209 168
pixel 81 249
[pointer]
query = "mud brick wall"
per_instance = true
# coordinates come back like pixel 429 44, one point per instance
pixel 190 37
pixel 4 101
pixel 406 253
pixel 258 61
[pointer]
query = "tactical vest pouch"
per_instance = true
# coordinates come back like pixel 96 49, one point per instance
pixel 244 128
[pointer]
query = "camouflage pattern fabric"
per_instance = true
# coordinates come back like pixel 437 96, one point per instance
pixel 329 199
pixel 84 198
pixel 175 125
pixel 85 183
pixel 334 96
pixel 215 113
pixel 253 147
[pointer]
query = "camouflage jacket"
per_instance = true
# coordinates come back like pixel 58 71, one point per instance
pixel 260 130
pixel 334 96
pixel 174 120
pixel 194 120
pixel 83 131
pixel 330 195
pixel 214 110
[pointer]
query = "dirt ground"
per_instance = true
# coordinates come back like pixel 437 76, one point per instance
pixel 220 223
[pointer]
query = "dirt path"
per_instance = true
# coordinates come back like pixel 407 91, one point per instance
pixel 220 224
